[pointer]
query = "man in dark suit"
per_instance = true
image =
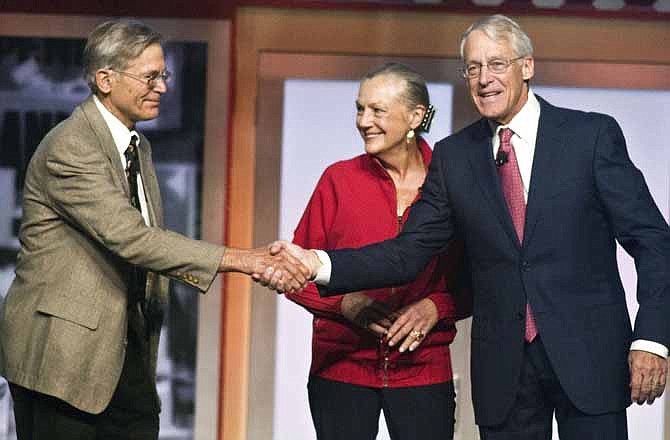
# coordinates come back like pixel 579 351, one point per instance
pixel 540 195
pixel 80 324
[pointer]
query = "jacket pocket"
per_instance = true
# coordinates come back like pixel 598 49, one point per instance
pixel 77 313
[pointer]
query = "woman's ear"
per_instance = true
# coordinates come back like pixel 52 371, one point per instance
pixel 416 116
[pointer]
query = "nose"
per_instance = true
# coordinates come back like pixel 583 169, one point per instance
pixel 364 118
pixel 484 75
pixel 160 85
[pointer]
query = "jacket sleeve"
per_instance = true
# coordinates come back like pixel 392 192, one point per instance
pixel 311 233
pixel 639 227
pixel 453 297
pixel 81 188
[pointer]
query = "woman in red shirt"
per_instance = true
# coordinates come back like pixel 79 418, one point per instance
pixel 358 367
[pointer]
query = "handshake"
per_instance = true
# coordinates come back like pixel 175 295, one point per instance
pixel 281 266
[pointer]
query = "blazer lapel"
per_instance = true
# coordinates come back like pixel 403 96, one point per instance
pixel 150 183
pixel 106 141
pixel 549 154
pixel 483 165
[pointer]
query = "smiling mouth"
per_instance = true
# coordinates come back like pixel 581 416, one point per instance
pixel 371 135
pixel 489 95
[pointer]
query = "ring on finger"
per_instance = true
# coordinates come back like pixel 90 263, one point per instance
pixel 417 334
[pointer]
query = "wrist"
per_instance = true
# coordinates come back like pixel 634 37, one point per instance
pixel 235 260
pixel 321 267
pixel 315 263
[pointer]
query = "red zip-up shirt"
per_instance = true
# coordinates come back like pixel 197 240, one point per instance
pixel 355 204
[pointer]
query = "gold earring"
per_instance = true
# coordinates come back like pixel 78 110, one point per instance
pixel 410 135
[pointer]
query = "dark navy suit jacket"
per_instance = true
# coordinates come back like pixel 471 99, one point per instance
pixel 585 193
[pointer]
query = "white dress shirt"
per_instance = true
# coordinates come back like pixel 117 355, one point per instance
pixel 524 128
pixel 524 125
pixel 122 136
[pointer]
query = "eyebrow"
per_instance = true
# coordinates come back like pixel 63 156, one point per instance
pixel 152 71
pixel 372 104
pixel 495 57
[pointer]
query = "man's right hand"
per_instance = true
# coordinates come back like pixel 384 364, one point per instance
pixel 287 273
pixel 308 259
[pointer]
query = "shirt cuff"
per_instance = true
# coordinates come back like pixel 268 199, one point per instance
pixel 650 346
pixel 323 275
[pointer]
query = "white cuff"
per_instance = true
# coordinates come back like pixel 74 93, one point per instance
pixel 323 275
pixel 650 346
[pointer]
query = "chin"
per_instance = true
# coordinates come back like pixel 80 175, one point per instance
pixel 372 148
pixel 150 115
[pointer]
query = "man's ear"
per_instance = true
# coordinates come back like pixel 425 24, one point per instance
pixel 528 68
pixel 103 80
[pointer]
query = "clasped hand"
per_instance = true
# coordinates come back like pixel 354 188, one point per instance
pixel 276 267
pixel 407 326
pixel 285 267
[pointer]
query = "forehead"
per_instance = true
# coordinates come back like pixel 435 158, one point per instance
pixel 480 47
pixel 150 59
pixel 386 89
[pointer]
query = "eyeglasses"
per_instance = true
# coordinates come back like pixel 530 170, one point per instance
pixel 498 66
pixel 150 80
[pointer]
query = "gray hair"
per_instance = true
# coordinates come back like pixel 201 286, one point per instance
pixel 416 92
pixel 501 29
pixel 114 44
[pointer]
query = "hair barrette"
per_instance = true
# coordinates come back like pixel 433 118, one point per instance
pixel 427 118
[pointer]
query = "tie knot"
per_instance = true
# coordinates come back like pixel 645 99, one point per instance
pixel 131 157
pixel 505 136
pixel 131 151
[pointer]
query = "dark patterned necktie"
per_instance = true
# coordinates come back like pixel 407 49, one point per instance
pixel 138 276
pixel 512 186
pixel 132 170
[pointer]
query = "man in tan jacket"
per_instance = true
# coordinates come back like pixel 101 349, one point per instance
pixel 80 325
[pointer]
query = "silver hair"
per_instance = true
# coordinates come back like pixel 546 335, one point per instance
pixel 416 91
pixel 502 29
pixel 114 44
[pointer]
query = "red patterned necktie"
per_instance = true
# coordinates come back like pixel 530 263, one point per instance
pixel 512 186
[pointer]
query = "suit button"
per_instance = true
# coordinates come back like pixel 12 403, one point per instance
pixel 196 280
pixel 525 266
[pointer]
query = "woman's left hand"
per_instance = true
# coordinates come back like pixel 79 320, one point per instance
pixel 412 323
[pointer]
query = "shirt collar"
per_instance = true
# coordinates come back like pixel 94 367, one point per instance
pixel 524 124
pixel 120 132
